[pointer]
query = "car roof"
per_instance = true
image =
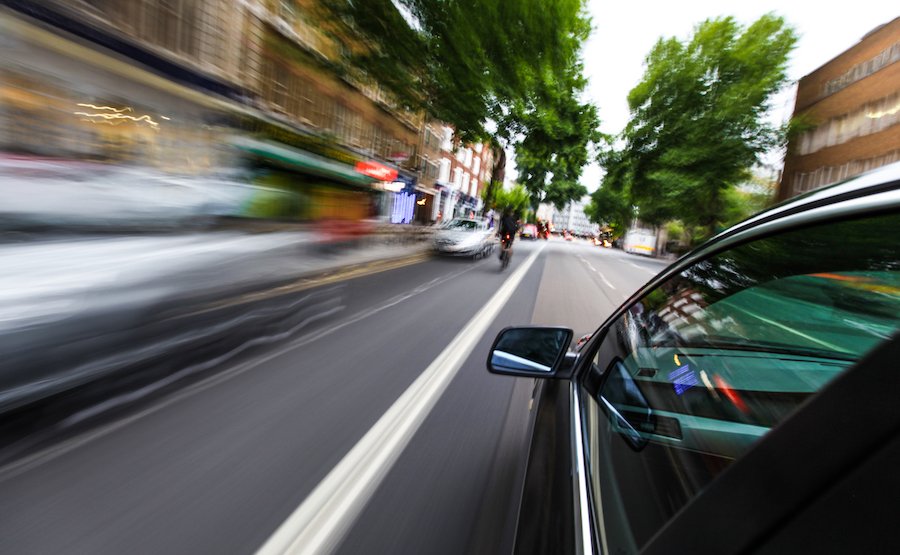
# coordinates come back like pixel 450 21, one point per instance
pixel 883 178
pixel 877 191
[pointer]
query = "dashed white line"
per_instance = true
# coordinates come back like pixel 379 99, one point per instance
pixel 643 268
pixel 598 272
pixel 606 281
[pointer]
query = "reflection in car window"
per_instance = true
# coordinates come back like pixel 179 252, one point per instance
pixel 699 369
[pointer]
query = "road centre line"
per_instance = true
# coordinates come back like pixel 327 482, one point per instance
pixel 34 460
pixel 643 268
pixel 318 525
pixel 598 272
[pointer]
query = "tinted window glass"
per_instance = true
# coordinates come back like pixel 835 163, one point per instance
pixel 701 368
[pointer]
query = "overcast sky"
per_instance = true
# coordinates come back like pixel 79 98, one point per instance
pixel 625 31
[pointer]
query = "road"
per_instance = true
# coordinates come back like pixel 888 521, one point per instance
pixel 222 463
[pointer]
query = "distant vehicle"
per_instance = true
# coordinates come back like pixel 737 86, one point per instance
pixel 529 231
pixel 744 400
pixel 568 236
pixel 464 237
pixel 640 241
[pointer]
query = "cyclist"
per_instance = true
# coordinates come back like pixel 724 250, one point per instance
pixel 508 229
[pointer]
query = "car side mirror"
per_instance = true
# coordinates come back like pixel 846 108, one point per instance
pixel 536 352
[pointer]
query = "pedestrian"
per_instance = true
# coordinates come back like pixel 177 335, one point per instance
pixel 490 218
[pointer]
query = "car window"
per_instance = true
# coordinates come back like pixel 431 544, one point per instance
pixel 693 374
pixel 463 225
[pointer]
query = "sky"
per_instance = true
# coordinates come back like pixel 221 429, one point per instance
pixel 625 31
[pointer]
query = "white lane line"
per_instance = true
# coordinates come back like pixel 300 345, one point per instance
pixel 598 272
pixel 606 281
pixel 20 466
pixel 319 523
pixel 643 268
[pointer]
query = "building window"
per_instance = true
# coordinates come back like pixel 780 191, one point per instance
pixel 808 181
pixel 447 143
pixel 872 117
pixel 864 69
pixel 457 178
pixel 444 173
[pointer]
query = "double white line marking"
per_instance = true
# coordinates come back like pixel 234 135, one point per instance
pixel 320 522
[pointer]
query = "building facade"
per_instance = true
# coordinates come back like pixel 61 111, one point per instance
pixel 169 83
pixel 462 174
pixel 571 218
pixel 853 102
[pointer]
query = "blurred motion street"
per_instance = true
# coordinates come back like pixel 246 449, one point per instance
pixel 253 261
pixel 217 464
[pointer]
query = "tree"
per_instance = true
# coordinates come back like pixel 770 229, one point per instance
pixel 513 62
pixel 467 60
pixel 697 119
pixel 611 208
pixel 517 199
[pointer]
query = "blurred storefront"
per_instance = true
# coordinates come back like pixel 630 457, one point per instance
pixel 85 106
pixel 211 87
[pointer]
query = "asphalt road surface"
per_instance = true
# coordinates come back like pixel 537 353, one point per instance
pixel 364 434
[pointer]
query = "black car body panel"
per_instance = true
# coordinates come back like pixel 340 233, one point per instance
pixel 795 488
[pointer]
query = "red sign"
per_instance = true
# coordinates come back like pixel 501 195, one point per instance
pixel 376 170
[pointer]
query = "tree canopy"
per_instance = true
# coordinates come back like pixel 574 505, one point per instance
pixel 697 121
pixel 466 62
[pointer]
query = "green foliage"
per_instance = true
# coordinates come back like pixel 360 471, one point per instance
pixel 489 194
pixel 697 120
pixel 516 199
pixel 515 62
pixel 559 135
pixel 465 60
pixel 610 207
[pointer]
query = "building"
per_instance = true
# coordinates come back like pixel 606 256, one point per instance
pixel 572 218
pixel 171 84
pixel 463 172
pixel 854 103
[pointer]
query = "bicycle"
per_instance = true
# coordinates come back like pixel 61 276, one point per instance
pixel 505 251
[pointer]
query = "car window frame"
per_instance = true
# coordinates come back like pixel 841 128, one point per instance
pixel 866 202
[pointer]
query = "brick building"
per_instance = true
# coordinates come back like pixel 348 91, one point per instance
pixel 185 76
pixel 462 175
pixel 854 103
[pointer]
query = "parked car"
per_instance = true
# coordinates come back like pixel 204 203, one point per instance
pixel 743 400
pixel 529 231
pixel 464 237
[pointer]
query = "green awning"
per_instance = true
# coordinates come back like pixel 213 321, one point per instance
pixel 302 161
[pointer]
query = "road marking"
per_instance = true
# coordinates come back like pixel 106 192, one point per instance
pixel 606 281
pixel 598 272
pixel 642 268
pixel 22 465
pixel 319 523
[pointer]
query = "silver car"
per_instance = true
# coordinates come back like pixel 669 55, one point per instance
pixel 464 237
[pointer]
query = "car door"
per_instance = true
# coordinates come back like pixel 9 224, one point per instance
pixel 698 378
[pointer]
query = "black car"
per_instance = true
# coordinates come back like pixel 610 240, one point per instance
pixel 744 400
